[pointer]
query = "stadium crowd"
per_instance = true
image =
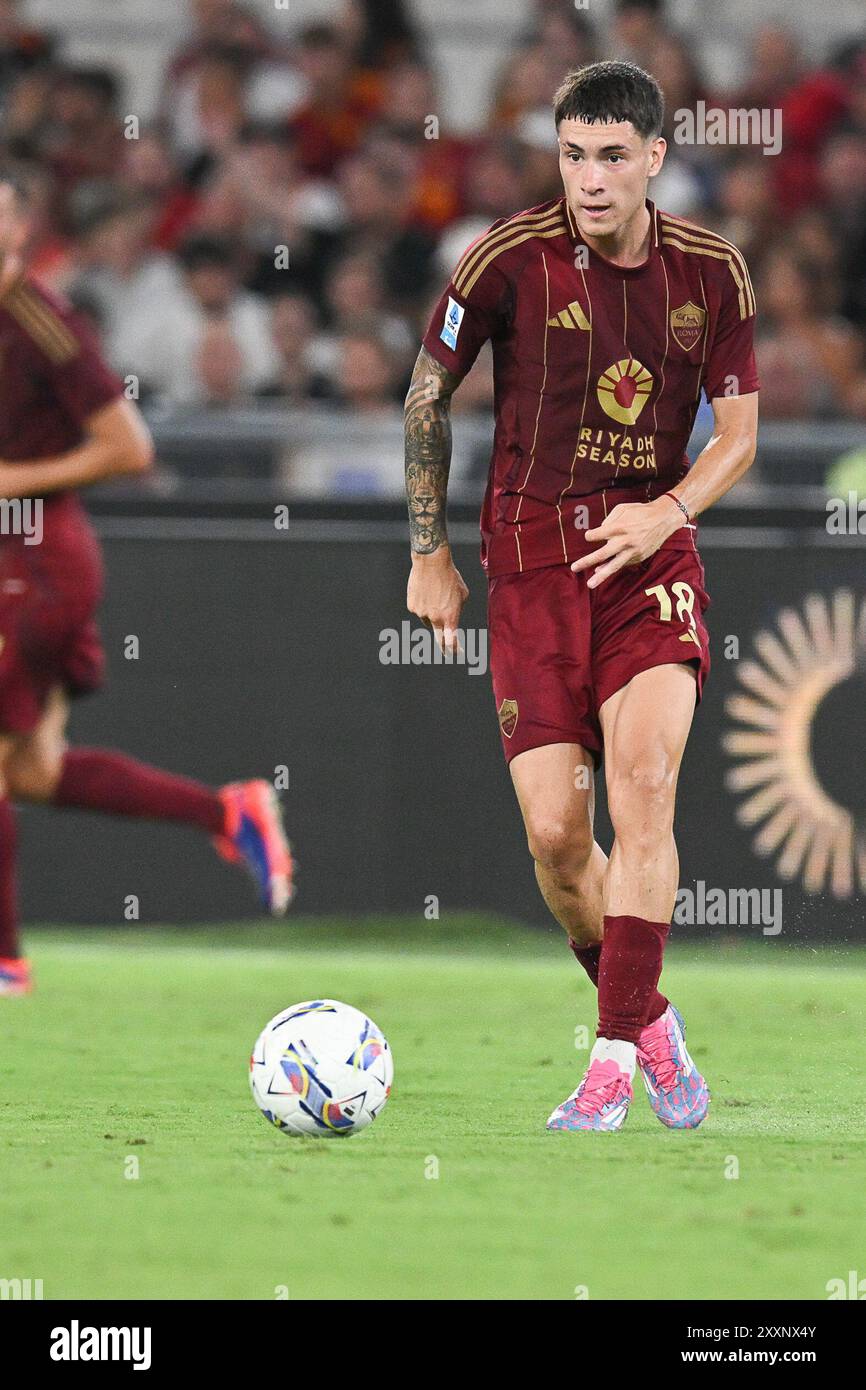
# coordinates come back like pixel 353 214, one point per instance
pixel 283 225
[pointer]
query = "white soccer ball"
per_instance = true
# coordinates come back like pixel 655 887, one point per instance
pixel 321 1068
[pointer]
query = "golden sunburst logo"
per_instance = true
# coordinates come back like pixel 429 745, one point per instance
pixel 795 668
pixel 623 390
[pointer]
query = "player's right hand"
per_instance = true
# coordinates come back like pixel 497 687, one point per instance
pixel 436 593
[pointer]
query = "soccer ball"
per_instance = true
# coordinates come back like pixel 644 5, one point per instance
pixel 321 1068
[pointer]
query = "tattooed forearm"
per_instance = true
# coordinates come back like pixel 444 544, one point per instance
pixel 428 451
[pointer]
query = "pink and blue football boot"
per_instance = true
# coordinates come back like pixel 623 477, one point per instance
pixel 15 976
pixel 677 1092
pixel 600 1102
pixel 254 836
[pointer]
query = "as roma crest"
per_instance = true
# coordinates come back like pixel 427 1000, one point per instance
pixel 508 717
pixel 687 324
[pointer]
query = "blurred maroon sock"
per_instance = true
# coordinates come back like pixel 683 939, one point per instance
pixel 629 969
pixel 98 779
pixel 590 958
pixel 9 945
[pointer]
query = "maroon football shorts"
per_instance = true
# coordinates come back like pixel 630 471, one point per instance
pixel 558 649
pixel 48 596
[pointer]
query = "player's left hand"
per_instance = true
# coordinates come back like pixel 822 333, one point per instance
pixel 631 533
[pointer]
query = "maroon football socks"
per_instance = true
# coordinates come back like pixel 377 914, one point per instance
pixel 9 947
pixel 630 964
pixel 98 779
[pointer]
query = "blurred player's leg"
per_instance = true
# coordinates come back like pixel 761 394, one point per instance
pixel 14 969
pixel 243 819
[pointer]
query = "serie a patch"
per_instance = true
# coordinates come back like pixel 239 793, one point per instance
pixel 451 327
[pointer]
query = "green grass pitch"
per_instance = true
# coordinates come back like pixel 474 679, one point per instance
pixel 135 1047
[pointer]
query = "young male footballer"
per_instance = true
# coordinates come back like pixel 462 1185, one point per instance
pixel 607 318
pixel 65 423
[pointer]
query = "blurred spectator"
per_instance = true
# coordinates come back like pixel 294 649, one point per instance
pixel 224 23
pixel 379 33
pixel 293 325
pixel 812 110
pixel 356 304
pixel 49 253
pixel 260 196
pixel 408 137
pixel 150 172
pixel 843 182
pixel 638 27
pixel 355 294
pixel 775 66
pixel 747 213
pixel 535 136
pixel 207 110
pixel 166 344
pixel 84 137
pixel 560 39
pixel 808 364
pixel 118 268
pixel 218 365
pixel 339 105
pixel 368 378
pixel 495 187
pixel 218 26
pixel 21 47
pixel 811 236
pixel 375 220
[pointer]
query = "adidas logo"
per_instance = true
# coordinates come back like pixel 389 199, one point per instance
pixel 572 316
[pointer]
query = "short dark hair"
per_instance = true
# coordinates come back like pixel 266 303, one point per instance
pixel 317 37
pixel 202 251
pixel 610 91
pixel 101 83
pixel 650 6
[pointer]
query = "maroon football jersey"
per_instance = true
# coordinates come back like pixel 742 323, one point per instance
pixel 52 379
pixel 598 368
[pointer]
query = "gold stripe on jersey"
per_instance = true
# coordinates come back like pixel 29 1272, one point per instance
pixel 517 229
pixel 497 234
pixel 508 246
pixel 542 388
pixel 58 338
pixel 661 390
pixel 43 325
pixel 744 290
pixel 586 379
pixel 703 336
pixel 689 231
pixel 723 249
